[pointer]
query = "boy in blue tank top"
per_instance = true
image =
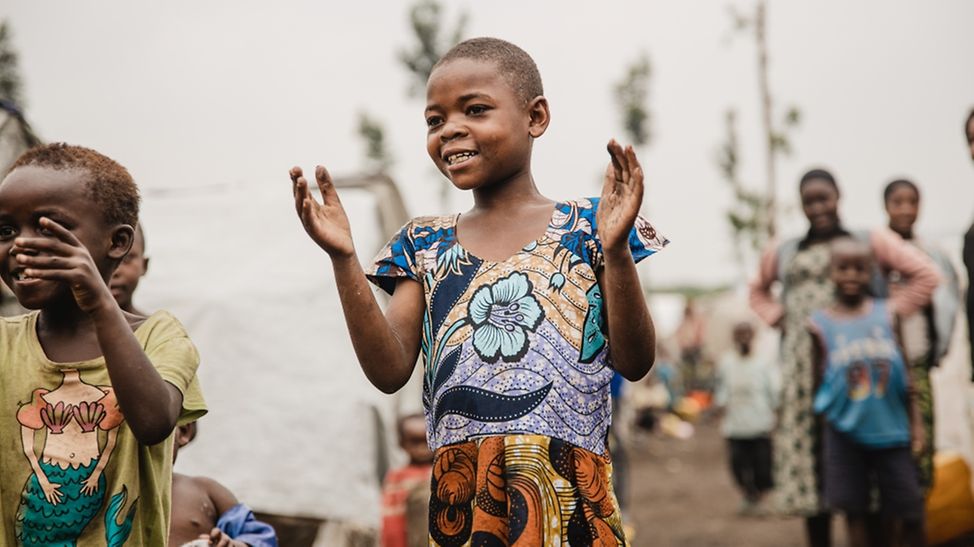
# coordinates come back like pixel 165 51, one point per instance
pixel 865 397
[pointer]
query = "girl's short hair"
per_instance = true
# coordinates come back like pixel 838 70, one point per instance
pixel 517 67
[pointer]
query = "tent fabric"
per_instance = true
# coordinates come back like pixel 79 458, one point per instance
pixel 292 427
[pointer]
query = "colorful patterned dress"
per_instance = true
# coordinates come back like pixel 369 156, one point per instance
pixel 516 381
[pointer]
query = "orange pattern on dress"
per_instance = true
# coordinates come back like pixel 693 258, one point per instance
pixel 528 490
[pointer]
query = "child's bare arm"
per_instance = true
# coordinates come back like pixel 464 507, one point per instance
pixel 917 430
pixel 632 333
pixel 150 404
pixel 223 499
pixel 386 345
pixel 250 530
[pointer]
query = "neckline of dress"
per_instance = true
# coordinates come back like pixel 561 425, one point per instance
pixel 530 244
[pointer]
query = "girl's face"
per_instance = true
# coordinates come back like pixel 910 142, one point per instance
pixel 479 131
pixel 902 207
pixel 820 203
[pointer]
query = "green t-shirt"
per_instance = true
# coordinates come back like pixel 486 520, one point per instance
pixel 71 471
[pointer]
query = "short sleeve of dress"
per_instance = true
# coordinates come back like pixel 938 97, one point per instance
pixel 644 241
pixel 395 261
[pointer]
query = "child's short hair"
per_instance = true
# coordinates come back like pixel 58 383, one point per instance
pixel 512 62
pixel 401 422
pixel 109 184
pixel 849 244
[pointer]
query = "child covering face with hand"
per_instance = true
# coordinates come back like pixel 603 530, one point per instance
pixel 90 393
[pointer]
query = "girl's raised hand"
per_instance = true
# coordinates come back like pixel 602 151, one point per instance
pixel 622 196
pixel 325 222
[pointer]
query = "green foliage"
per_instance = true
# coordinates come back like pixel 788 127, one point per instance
pixel 793 117
pixel 752 215
pixel 748 215
pixel 10 82
pixel 425 18
pixel 373 134
pixel 631 95
pixel 779 142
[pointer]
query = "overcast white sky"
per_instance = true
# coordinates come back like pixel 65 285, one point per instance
pixel 193 93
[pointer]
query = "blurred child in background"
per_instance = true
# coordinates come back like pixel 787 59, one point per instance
pixel 128 274
pixel 204 510
pixel 747 395
pixel 404 483
pixel 870 413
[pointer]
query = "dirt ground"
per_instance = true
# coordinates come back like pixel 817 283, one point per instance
pixel 682 494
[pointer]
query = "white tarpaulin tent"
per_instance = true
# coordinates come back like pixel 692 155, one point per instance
pixel 292 427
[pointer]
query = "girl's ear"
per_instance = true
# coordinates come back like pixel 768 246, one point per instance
pixel 540 116
pixel 123 236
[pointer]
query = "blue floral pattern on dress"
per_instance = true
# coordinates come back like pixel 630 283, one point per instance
pixel 517 346
pixel 502 314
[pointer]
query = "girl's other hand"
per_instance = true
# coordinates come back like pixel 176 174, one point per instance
pixel 325 222
pixel 622 196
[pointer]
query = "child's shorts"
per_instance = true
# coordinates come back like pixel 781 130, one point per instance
pixel 851 470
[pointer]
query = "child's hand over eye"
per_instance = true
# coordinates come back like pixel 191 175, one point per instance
pixel 61 257
pixel 325 222
pixel 622 195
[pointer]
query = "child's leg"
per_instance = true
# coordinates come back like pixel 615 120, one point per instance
pixel 762 465
pixel 901 499
pixel 818 530
pixel 878 527
pixel 858 530
pixel 738 463
pixel 846 479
